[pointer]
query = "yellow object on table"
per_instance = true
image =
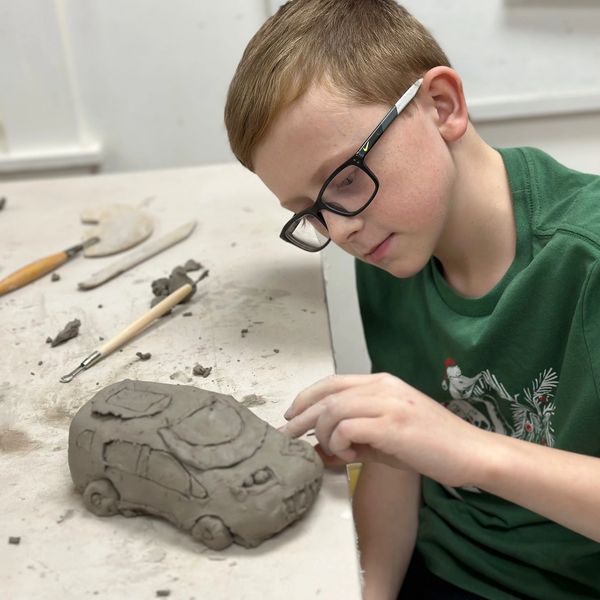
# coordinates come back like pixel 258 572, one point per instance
pixel 353 472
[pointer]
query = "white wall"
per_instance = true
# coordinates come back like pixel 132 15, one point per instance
pixel 531 71
pixel 113 85
pixel 118 85
pixel 140 84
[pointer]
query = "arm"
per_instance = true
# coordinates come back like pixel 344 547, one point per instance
pixel 566 490
pixel 386 505
pixel 381 418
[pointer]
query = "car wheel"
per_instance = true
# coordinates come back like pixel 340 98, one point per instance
pixel 211 531
pixel 100 497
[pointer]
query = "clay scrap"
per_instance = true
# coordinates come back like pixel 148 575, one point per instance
pixel 192 265
pixel 164 286
pixel 201 371
pixel 195 457
pixel 69 331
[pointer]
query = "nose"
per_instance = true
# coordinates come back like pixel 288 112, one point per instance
pixel 341 229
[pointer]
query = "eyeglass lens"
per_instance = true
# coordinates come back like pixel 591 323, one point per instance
pixel 348 192
pixel 309 232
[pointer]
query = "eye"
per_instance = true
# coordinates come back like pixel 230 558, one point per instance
pixel 347 182
pixel 347 179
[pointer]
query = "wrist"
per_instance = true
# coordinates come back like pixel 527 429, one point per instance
pixel 490 462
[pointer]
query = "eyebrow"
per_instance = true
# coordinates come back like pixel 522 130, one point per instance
pixel 330 165
pixel 318 177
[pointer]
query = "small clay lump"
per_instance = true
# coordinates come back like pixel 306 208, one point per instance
pixel 69 331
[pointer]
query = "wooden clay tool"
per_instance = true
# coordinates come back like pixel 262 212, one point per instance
pixel 134 328
pixel 41 267
pixel 137 256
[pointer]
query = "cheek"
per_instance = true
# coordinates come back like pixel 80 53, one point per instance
pixel 417 192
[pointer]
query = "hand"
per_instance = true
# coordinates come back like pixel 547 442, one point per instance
pixel 380 418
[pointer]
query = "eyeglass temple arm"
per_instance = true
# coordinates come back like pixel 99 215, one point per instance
pixel 410 93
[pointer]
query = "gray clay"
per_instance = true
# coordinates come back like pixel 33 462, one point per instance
pixel 160 287
pixel 55 277
pixel 164 286
pixel 201 371
pixel 2 203
pixel 192 265
pixel 252 400
pixel 144 355
pixel 70 330
pixel 194 457
pixel 179 277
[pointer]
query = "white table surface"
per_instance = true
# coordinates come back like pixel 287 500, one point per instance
pixel 256 282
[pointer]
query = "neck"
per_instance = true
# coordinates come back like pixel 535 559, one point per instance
pixel 479 240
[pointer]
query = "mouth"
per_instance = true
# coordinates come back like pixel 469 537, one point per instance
pixel 377 252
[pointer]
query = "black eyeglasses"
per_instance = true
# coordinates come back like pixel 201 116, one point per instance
pixel 347 191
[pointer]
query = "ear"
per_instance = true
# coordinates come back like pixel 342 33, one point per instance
pixel 444 94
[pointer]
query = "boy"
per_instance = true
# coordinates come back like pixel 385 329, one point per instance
pixel 477 274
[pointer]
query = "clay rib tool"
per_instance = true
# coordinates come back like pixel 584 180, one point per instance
pixel 138 256
pixel 42 266
pixel 134 328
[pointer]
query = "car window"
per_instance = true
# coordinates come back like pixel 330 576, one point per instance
pixel 122 455
pixel 164 469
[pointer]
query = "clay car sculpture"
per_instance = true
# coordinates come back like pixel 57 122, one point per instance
pixel 194 457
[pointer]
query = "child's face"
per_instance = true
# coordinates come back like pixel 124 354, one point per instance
pixel 404 224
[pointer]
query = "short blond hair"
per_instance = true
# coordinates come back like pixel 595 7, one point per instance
pixel 371 51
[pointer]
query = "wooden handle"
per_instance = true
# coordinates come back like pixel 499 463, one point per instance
pixel 32 271
pixel 132 330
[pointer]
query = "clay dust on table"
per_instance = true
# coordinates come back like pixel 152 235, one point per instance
pixel 180 376
pixel 15 440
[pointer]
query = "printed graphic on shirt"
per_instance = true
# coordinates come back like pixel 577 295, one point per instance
pixel 476 400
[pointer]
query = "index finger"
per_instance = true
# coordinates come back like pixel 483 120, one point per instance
pixel 321 389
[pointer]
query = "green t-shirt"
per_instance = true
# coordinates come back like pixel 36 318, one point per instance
pixel 524 361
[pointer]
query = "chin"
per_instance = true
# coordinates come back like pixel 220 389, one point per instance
pixel 403 268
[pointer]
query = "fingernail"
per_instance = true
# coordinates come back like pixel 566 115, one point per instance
pixel 288 414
